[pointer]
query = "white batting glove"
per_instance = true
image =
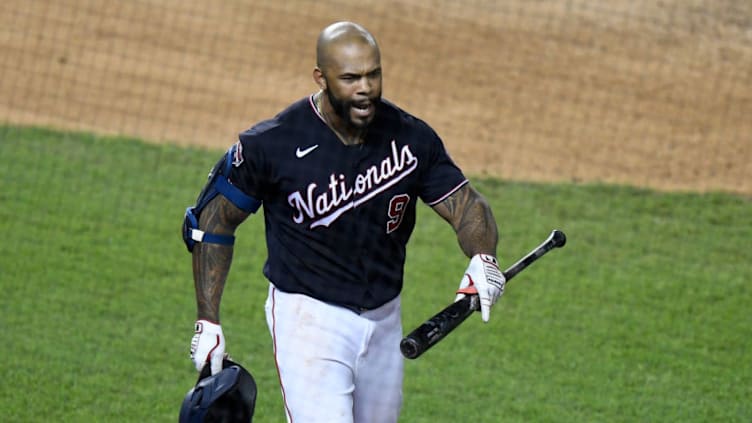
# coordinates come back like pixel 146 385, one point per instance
pixel 208 345
pixel 484 278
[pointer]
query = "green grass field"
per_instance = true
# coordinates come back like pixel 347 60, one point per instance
pixel 644 316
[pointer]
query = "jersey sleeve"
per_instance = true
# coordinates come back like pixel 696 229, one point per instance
pixel 248 165
pixel 441 177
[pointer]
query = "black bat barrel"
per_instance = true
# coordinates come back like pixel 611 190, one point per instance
pixel 437 327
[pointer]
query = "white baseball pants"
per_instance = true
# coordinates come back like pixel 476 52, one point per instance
pixel 334 365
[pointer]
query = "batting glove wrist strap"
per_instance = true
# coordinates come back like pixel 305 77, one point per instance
pixel 483 278
pixel 208 346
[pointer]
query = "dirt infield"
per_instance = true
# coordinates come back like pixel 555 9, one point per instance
pixel 655 94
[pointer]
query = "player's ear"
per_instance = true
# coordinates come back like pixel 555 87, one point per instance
pixel 319 78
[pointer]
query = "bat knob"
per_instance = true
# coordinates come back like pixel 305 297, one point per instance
pixel 558 237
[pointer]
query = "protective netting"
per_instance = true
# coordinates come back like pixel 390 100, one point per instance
pixel 643 92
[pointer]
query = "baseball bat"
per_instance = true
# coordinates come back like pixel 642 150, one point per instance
pixel 445 321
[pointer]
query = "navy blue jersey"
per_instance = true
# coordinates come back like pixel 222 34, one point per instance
pixel 338 217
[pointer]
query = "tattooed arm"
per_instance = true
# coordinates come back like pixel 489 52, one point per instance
pixel 211 262
pixel 471 217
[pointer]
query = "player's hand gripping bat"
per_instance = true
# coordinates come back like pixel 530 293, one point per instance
pixel 443 322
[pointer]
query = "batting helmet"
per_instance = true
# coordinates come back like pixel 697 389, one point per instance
pixel 228 396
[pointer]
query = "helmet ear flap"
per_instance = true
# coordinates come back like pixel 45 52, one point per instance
pixel 228 396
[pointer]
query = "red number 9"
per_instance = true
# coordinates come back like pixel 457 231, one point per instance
pixel 396 211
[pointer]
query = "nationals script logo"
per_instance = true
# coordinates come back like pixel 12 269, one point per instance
pixel 326 206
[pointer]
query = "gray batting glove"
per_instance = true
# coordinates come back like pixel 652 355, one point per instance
pixel 208 346
pixel 483 278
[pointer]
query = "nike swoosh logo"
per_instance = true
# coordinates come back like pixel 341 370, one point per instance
pixel 302 153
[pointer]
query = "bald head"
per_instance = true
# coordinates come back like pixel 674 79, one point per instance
pixel 348 73
pixel 339 35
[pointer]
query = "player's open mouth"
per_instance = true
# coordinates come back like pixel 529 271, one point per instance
pixel 363 109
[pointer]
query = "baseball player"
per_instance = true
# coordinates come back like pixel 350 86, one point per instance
pixel 339 174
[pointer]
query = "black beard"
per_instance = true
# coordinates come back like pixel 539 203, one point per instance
pixel 341 107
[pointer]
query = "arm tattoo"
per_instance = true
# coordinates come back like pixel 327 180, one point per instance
pixel 211 262
pixel 452 203
pixel 471 217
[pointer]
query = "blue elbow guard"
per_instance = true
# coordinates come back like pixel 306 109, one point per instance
pixel 217 184
pixel 192 235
